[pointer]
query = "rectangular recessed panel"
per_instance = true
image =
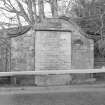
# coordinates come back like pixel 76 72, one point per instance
pixel 52 50
pixel 22 56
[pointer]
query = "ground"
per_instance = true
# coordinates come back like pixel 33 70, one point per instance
pixel 93 98
pixel 85 95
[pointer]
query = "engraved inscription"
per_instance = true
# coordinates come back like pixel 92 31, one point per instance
pixel 53 50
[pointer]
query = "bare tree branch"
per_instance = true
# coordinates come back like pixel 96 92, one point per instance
pixel 7 24
pixel 30 11
pixel 54 8
pixel 34 10
pixel 41 9
pixel 22 12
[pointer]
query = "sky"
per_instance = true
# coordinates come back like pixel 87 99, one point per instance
pixel 47 10
pixel 4 15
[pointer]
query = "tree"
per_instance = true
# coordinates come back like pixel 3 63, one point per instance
pixel 25 9
pixel 90 16
pixel 54 8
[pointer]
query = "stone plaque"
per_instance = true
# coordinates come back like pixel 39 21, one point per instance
pixel 52 50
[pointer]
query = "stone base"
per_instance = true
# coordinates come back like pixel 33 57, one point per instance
pixel 23 80
pixel 53 80
pixel 82 78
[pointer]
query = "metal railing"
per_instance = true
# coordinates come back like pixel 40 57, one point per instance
pixel 52 72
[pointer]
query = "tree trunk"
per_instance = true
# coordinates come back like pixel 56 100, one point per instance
pixel 54 8
pixel 30 12
pixel 34 11
pixel 41 9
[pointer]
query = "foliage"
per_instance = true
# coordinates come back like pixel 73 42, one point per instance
pixel 90 15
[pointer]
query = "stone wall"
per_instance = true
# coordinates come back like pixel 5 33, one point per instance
pixel 22 52
pixel 82 54
pixel 59 45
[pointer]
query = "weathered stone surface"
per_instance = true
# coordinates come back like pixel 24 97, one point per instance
pixel 22 52
pixel 59 45
pixel 53 80
pixel 53 51
pixel 80 54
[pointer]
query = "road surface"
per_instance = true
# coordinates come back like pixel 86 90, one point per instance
pixel 89 96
